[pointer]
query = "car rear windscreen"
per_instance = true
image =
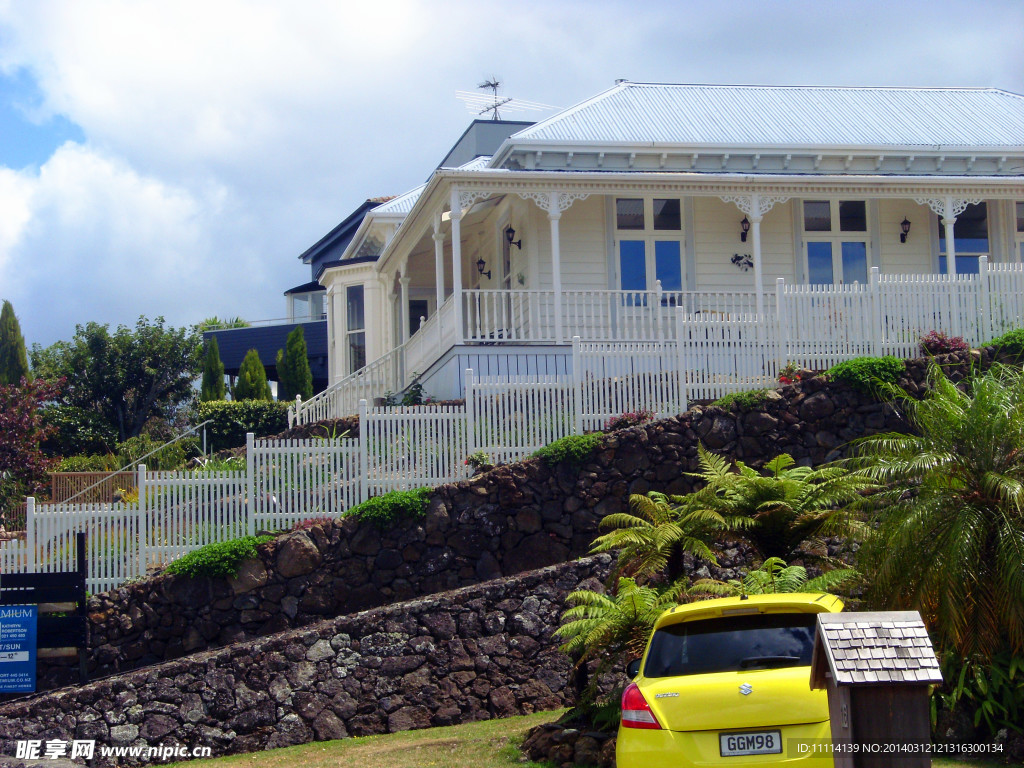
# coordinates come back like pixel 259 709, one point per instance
pixel 763 641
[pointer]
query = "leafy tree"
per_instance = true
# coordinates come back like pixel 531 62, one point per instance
pixel 252 379
pixel 128 376
pixel 658 531
pixel 13 359
pixel 786 506
pixel 23 465
pixel 293 374
pixel 950 520
pixel 212 387
pixel 77 431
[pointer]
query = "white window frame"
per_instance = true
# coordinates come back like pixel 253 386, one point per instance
pixel 835 236
pixel 649 236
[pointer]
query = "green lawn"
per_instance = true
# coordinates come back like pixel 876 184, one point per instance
pixel 485 744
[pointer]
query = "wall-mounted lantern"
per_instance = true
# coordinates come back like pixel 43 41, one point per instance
pixel 481 265
pixel 904 229
pixel 510 236
pixel 744 227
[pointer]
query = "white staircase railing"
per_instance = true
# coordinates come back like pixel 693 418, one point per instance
pixel 375 379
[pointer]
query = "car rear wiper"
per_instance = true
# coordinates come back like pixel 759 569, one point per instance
pixel 768 661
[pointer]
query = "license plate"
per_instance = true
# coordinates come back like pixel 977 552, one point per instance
pixel 750 743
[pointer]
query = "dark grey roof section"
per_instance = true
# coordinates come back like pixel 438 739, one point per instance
pixel 482 137
pixel 309 287
pixel 879 648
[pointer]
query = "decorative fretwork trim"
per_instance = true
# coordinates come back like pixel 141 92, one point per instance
pixel 938 204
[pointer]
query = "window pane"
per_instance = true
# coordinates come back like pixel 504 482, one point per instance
pixel 666 215
pixel 970 231
pixel 354 301
pixel 855 263
pixel 667 265
pixel 1020 217
pixel 629 213
pixel 632 265
pixel 853 216
pixel 731 644
pixel 356 351
pixel 819 263
pixel 817 216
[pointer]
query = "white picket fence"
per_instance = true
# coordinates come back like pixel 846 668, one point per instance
pixel 288 481
pixel 817 326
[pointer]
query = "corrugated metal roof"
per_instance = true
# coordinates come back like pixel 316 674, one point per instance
pixel 404 202
pixel 789 116
pixel 401 204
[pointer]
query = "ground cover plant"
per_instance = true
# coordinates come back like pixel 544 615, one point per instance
pixel 868 374
pixel 574 449
pixel 217 560
pixel 384 511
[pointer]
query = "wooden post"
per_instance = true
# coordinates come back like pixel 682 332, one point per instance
pixel 577 379
pixel 81 610
pixel 143 521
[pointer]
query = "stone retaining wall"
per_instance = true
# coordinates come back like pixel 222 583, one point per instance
pixel 471 654
pixel 512 519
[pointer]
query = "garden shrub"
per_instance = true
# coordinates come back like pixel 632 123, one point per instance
pixel 573 448
pixel 746 400
pixel 92 463
pixel 76 431
pixel 231 419
pixel 938 343
pixel 170 457
pixel 384 511
pixel 1010 343
pixel 217 560
pixel 867 373
pixel 630 419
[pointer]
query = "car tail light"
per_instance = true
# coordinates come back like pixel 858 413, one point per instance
pixel 636 712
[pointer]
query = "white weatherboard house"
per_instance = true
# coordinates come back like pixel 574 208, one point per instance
pixel 715 229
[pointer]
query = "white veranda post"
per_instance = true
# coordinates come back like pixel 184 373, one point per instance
pixel 755 206
pixel 439 259
pixel 948 208
pixel 555 203
pixel 456 217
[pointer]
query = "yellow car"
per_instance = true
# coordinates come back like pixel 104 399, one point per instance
pixel 727 683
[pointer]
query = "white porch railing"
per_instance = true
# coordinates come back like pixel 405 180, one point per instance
pixel 529 316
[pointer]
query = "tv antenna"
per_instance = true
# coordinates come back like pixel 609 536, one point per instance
pixel 480 104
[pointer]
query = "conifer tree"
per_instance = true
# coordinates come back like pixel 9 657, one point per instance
pixel 213 373
pixel 293 374
pixel 13 358
pixel 252 379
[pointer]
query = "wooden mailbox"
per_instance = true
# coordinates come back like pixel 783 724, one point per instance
pixel 877 669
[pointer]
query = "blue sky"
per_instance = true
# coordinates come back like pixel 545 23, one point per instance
pixel 175 158
pixel 26 138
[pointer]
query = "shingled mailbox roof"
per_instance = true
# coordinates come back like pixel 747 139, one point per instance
pixel 890 647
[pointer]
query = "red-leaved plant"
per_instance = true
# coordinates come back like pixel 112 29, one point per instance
pixel 631 419
pixel 23 465
pixel 938 343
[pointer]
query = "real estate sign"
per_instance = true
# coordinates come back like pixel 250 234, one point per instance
pixel 18 648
